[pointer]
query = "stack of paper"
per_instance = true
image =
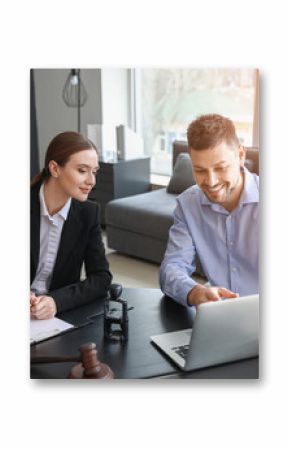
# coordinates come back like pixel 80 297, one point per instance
pixel 43 329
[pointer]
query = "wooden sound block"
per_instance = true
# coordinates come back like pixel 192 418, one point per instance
pixel 78 372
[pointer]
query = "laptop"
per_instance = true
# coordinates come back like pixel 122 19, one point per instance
pixel 223 331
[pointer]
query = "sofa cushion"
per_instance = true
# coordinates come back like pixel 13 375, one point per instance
pixel 149 213
pixel 182 176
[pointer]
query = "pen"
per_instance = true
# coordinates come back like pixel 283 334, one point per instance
pixel 34 299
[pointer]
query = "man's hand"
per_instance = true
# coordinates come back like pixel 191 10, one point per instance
pixel 42 307
pixel 200 294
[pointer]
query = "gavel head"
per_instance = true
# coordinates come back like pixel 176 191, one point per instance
pixel 91 367
pixel 89 359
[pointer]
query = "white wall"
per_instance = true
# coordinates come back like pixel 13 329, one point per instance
pixel 53 116
pixel 108 102
pixel 115 98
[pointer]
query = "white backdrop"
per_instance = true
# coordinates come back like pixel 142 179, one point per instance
pixel 145 414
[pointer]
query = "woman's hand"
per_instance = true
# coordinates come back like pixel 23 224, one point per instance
pixel 42 307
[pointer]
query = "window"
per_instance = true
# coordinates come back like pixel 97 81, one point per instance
pixel 169 99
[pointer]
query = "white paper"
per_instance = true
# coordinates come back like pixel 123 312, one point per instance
pixel 42 329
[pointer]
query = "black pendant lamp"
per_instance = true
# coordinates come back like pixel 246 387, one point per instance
pixel 74 93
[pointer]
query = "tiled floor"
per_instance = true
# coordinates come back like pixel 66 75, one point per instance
pixel 131 272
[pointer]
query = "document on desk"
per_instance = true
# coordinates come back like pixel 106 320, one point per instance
pixel 43 329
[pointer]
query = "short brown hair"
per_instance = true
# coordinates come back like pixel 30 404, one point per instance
pixel 60 149
pixel 207 131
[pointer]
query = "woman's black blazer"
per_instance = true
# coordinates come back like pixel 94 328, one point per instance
pixel 81 242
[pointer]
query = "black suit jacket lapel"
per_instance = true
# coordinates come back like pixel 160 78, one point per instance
pixel 71 232
pixel 34 229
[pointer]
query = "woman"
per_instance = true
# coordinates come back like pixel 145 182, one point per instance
pixel 65 229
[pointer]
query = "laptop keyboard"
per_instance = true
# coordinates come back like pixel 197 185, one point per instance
pixel 182 351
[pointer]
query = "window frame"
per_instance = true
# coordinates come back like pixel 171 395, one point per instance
pixel 135 103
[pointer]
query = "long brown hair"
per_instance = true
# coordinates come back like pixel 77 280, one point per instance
pixel 60 149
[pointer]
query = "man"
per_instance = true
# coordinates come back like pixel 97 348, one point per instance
pixel 216 220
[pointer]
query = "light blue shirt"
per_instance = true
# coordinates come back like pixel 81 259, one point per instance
pixel 227 243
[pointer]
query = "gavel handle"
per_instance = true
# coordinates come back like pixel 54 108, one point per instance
pixel 55 359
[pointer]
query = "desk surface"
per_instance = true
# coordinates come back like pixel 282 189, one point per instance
pixel 151 314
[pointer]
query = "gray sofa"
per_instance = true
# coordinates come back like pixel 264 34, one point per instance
pixel 138 225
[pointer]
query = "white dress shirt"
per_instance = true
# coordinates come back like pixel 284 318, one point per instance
pixel 50 234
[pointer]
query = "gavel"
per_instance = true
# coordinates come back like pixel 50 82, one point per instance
pixel 89 368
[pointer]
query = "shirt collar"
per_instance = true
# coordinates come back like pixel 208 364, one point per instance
pixel 63 212
pixel 250 192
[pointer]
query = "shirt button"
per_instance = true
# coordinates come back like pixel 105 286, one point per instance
pixel 234 269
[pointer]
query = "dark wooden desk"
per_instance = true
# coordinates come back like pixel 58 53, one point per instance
pixel 151 314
